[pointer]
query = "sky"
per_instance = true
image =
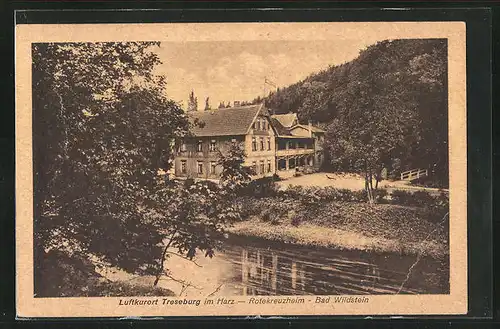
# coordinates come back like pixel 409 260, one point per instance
pixel 235 70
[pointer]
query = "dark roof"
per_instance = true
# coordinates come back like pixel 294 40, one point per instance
pixel 224 122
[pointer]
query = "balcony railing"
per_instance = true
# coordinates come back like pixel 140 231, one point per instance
pixel 294 152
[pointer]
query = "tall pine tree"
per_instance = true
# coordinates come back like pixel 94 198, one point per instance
pixel 192 102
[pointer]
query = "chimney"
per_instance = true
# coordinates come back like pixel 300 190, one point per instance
pixel 236 103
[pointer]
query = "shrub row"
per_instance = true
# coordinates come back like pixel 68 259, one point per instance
pixel 266 187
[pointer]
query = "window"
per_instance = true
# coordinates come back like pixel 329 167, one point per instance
pixel 264 125
pixel 262 144
pixel 183 166
pixel 183 147
pixel 292 145
pixel 269 143
pixel 258 124
pixel 262 168
pixel 254 167
pixel 212 167
pixel 233 140
pixel 254 125
pixel 213 145
pixel 199 147
pixel 200 167
pixel 254 144
pixel 268 166
pixel 281 164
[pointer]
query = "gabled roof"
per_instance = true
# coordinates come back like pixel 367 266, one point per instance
pixel 314 129
pixel 286 120
pixel 278 127
pixel 224 122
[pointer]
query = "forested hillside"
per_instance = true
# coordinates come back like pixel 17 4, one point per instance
pixel 385 109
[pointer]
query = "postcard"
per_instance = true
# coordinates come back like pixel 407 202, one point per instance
pixel 241 169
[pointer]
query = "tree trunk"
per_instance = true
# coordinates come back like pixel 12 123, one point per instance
pixel 378 177
pixel 162 261
pixel 369 187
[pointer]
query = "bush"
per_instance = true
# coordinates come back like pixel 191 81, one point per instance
pixel 262 187
pixel 295 218
pixel 381 195
pixel 58 274
pixel 417 198
pixel 323 194
pixel 247 207
pixel 420 199
pixel 273 210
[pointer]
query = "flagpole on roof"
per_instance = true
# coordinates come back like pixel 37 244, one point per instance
pixel 270 83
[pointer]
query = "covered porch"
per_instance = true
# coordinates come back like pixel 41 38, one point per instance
pixel 288 165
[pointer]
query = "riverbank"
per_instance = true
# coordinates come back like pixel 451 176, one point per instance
pixel 63 275
pixel 389 228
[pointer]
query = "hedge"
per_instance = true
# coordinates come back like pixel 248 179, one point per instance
pixel 398 197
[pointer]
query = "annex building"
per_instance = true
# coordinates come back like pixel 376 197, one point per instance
pixel 273 144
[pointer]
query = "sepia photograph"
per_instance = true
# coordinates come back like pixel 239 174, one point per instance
pixel 205 172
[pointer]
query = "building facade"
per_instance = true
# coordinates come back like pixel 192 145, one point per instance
pixel 273 144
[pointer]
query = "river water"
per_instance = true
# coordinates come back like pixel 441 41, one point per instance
pixel 249 266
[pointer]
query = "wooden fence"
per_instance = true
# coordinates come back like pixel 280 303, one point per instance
pixel 414 174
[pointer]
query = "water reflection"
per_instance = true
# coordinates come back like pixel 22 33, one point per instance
pixel 300 271
pixel 249 267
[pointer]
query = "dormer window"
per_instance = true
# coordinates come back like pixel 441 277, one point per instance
pixel 199 146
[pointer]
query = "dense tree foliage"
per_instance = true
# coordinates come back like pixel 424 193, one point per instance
pixel 104 133
pixel 385 109
pixel 199 211
pixel 235 176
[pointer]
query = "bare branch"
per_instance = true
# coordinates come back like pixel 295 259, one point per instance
pixel 183 257
pixel 216 290
pixel 184 283
pixel 419 255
